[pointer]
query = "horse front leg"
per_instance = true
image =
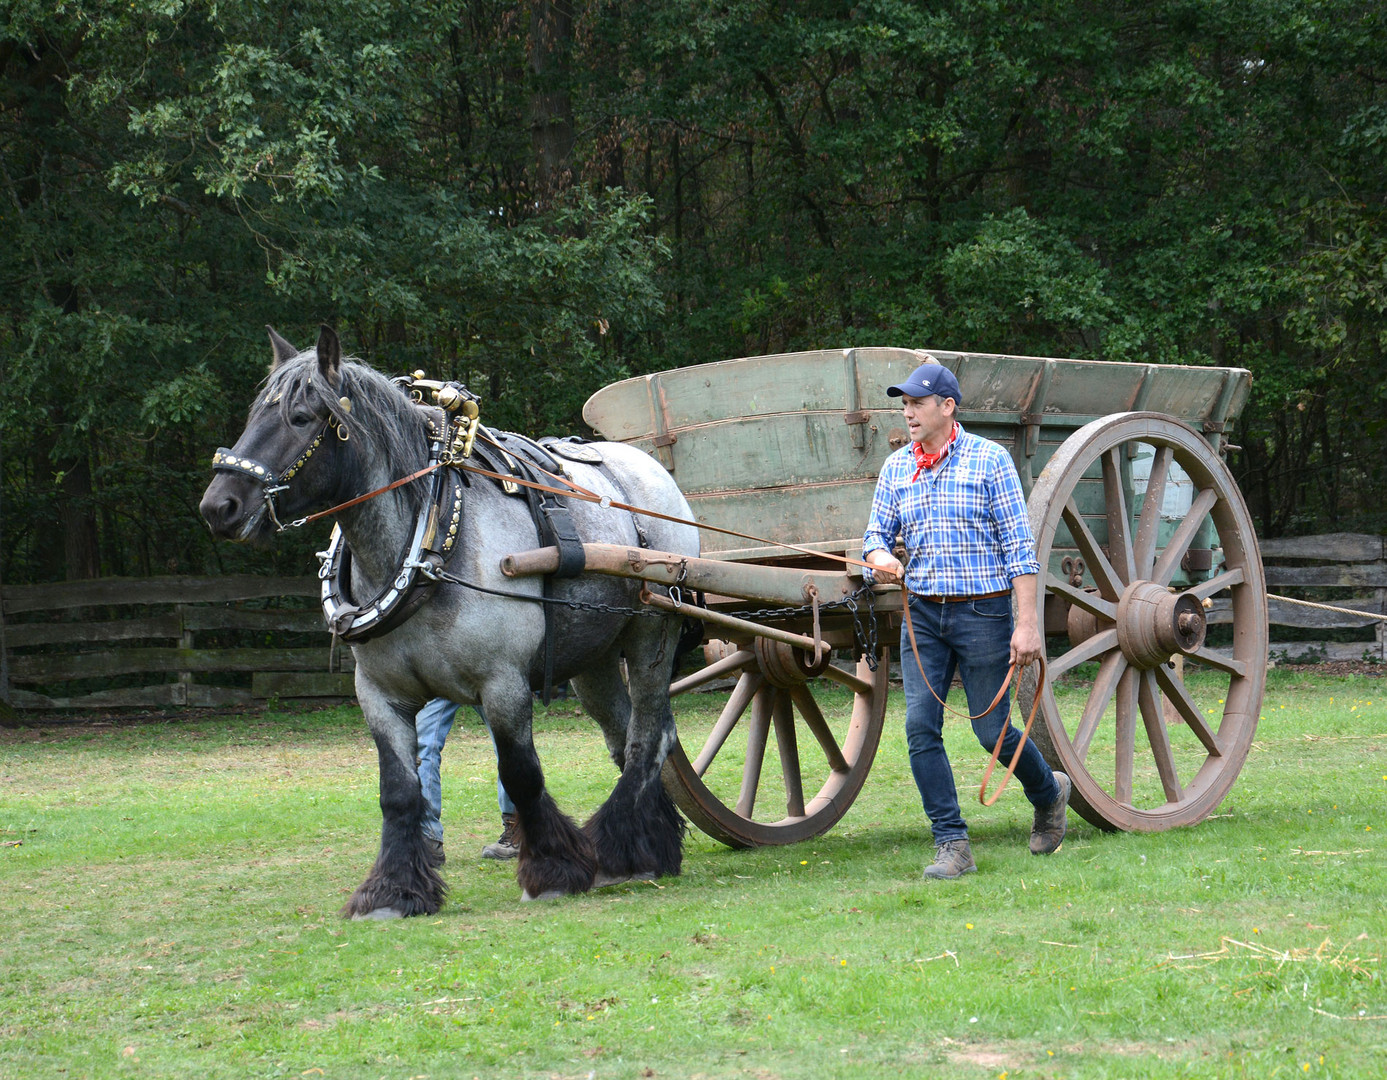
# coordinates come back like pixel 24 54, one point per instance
pixel 404 880
pixel 555 856
pixel 637 832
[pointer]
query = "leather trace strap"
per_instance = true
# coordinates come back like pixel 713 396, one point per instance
pixel 1001 693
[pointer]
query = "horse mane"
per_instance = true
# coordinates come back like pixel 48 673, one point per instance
pixel 380 413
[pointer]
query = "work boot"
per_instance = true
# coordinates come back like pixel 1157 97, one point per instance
pixel 952 858
pixel 434 847
pixel 1047 834
pixel 507 846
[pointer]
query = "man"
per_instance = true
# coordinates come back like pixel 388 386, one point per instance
pixel 431 727
pixel 956 500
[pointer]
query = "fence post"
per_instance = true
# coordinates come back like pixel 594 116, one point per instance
pixel 6 702
pixel 185 641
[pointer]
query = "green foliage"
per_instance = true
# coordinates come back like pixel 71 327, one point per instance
pixel 1179 182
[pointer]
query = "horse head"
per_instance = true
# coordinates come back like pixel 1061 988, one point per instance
pixel 300 415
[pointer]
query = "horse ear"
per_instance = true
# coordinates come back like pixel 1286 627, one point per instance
pixel 283 350
pixel 329 354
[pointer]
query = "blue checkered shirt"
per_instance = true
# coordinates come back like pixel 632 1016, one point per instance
pixel 964 523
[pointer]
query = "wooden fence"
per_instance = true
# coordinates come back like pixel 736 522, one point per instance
pixel 1325 569
pixel 135 642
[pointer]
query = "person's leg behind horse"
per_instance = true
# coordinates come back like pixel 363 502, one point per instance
pixel 431 728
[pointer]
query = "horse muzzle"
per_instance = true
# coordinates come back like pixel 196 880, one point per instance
pixel 234 509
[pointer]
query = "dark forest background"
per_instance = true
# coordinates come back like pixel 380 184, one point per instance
pixel 543 198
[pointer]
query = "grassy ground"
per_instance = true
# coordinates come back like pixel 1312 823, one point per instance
pixel 168 895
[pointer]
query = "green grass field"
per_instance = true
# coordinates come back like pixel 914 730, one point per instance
pixel 168 898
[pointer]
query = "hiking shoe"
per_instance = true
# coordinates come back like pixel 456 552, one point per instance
pixel 952 858
pixel 434 847
pixel 1047 834
pixel 507 845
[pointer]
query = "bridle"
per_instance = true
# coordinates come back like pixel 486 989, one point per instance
pixel 271 482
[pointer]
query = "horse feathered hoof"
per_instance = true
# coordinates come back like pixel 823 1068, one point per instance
pixel 380 913
pixel 550 894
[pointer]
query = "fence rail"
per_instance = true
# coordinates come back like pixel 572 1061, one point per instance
pixel 57 640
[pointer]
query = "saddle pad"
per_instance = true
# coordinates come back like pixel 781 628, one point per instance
pixel 574 450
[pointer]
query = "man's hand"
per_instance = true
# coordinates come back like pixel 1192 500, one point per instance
pixel 886 568
pixel 1027 646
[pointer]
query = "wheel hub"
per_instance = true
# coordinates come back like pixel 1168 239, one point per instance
pixel 786 666
pixel 1153 624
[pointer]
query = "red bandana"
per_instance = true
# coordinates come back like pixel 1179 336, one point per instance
pixel 925 460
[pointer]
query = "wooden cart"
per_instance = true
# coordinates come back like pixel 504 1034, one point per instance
pixel 1143 538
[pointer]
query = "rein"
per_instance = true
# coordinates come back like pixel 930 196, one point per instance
pixel 1006 685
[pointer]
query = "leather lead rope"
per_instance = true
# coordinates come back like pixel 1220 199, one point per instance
pixel 1006 685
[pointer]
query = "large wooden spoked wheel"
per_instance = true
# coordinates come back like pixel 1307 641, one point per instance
pixel 1145 753
pixel 823 720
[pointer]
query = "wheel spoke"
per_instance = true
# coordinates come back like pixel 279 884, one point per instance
pixel 848 679
pixel 1126 735
pixel 1104 686
pixel 758 730
pixel 1148 530
pixel 1180 542
pixel 1159 738
pixel 818 726
pixel 1103 573
pixel 1119 524
pixel 715 670
pixel 1090 602
pixel 1218 583
pixel 1207 655
pixel 1087 650
pixel 737 701
pixel 1179 696
pixel 787 744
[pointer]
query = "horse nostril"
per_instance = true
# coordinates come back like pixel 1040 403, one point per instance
pixel 220 512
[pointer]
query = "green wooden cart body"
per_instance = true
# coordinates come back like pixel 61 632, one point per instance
pixel 786 448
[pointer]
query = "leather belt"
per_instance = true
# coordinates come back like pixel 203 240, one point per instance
pixel 961 599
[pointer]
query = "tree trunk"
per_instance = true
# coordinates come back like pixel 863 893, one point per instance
pixel 551 107
pixel 81 552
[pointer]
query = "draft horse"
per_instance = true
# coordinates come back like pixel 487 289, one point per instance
pixel 324 430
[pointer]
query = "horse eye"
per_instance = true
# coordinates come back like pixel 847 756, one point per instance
pixel 302 418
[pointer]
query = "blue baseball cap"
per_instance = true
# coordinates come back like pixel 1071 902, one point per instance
pixel 927 380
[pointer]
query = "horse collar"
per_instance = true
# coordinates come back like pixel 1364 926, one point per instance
pixel 435 535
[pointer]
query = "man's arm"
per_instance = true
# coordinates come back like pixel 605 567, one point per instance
pixel 1027 645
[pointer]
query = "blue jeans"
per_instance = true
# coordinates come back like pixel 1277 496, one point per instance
pixel 431 727
pixel 973 638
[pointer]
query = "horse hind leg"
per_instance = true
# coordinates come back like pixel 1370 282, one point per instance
pixel 638 832
pixel 603 694
pixel 404 880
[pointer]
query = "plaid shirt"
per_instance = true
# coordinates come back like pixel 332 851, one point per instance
pixel 965 524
